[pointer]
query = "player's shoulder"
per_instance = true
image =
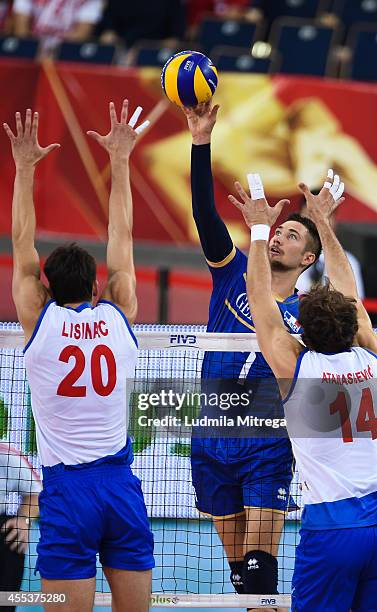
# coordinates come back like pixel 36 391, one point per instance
pixel 235 263
pixel 114 310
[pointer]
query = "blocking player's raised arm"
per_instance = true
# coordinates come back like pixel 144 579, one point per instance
pixel 339 269
pixel 214 237
pixel 119 143
pixel 277 345
pixel 29 294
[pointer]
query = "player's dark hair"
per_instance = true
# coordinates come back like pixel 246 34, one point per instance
pixel 329 320
pixel 313 243
pixel 71 272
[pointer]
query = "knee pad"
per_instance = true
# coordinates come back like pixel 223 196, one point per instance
pixel 260 573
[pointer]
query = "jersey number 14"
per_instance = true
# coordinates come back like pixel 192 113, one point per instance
pixel 366 418
pixel 68 388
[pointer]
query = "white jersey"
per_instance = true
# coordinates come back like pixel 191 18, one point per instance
pixel 331 414
pixel 78 363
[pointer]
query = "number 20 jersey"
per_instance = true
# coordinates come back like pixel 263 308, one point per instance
pixel 78 363
pixel 331 415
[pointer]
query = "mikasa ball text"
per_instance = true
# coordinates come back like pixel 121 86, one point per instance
pixel 189 78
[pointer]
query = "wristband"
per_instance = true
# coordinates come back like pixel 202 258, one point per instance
pixel 260 232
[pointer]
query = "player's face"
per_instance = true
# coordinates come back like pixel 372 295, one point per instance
pixel 288 247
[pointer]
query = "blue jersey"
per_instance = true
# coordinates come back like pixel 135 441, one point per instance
pixel 229 312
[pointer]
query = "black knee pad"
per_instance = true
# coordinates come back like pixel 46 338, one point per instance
pixel 236 576
pixel 260 573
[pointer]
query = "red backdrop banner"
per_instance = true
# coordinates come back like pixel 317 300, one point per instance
pixel 288 129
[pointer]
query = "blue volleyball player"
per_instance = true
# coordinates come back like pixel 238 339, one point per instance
pixel 243 483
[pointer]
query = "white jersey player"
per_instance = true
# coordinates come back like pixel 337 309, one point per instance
pixel 78 364
pixel 329 390
pixel 79 359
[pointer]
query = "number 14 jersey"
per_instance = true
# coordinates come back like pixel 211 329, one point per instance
pixel 79 363
pixel 331 415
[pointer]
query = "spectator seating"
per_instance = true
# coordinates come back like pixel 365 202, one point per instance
pixel 305 47
pixel 147 53
pixel 215 32
pixel 155 53
pixel 11 46
pixel 362 65
pixel 307 9
pixel 88 52
pixel 354 11
pixel 240 59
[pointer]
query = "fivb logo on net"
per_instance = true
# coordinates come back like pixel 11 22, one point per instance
pixel 182 339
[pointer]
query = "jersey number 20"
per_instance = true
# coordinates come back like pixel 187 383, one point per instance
pixel 68 388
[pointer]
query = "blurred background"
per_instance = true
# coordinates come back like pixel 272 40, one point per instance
pixel 298 94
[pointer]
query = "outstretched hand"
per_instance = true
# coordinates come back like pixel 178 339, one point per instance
pixel 322 206
pixel 201 120
pixel 255 208
pixel 26 149
pixel 121 139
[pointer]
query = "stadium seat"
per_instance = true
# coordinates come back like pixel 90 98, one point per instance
pixel 305 47
pixel 353 11
pixel 362 66
pixel 241 60
pixel 10 46
pixel 88 52
pixel 155 53
pixel 226 32
pixel 296 8
pixel 146 53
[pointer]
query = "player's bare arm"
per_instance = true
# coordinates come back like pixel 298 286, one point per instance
pixel 341 276
pixel 279 348
pixel 29 293
pixel 119 143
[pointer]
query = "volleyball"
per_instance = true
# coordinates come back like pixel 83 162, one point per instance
pixel 189 78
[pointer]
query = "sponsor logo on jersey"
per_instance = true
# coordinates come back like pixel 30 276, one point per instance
pixel 282 494
pixel 243 305
pixel 182 339
pixel 292 322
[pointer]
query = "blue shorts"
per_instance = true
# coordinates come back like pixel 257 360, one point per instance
pixel 336 571
pixel 231 474
pixel 97 509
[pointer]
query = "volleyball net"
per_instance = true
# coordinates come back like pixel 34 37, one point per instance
pixel 165 403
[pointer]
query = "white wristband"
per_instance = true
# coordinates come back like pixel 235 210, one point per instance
pixel 260 232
